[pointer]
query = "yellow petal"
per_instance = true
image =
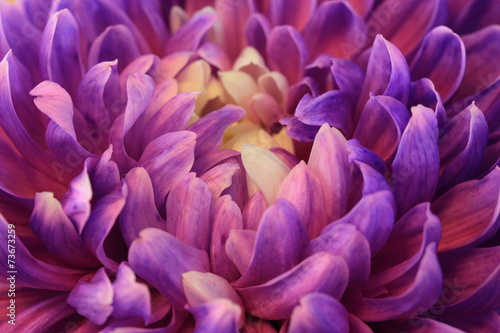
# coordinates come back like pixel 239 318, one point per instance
pixel 240 86
pixel 275 84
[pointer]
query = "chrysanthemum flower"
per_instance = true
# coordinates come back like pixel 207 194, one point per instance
pixel 248 165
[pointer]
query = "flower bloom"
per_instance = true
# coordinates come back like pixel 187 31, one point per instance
pixel 248 165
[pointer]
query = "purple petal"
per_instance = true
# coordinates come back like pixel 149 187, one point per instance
pixel 257 29
pixel 356 325
pixel 146 64
pixel 188 209
pixel 232 16
pixel 335 28
pixel 51 225
pixel 215 56
pixel 60 59
pixel 406 23
pixel 303 189
pixel 471 280
pixel 405 301
pixel 318 313
pixel 332 107
pixel 416 165
pixel 210 128
pixel 373 216
pixel 92 297
pixel 416 229
pixel 290 159
pixel 287 52
pixel 34 273
pixel 344 240
pixel 172 116
pixel 76 202
pixel 365 180
pixel 254 209
pixel 104 174
pixel 220 315
pixel 461 147
pixel 361 154
pixel 348 77
pixel 160 259
pixel 239 247
pixel 381 125
pixel 219 178
pixel 226 216
pixel 444 69
pixel 474 222
pixel 190 35
pixel 294 13
pixel 140 88
pixel 335 181
pixel 130 298
pixel 468 16
pixel 296 91
pixel 322 272
pixel 418 324
pixel 363 7
pixel 166 158
pixel 208 161
pixel 387 73
pixel 477 322
pixel 139 211
pixel 479 74
pixel 298 130
pixel 101 221
pixel 280 239
pixel 116 42
pixel 423 92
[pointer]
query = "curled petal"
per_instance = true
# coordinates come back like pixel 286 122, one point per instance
pixel 335 28
pixel 381 125
pixel 160 258
pixel 475 222
pixel 139 211
pixel 76 203
pixel 239 248
pixel 348 77
pixel 60 59
pixel 220 315
pixel 423 92
pixel 93 297
pixel 189 36
pixel 444 69
pixel 322 272
pixel 188 209
pixel 318 312
pixel 226 216
pixel 220 178
pixel 254 209
pixel 416 165
pixel 361 154
pixel 278 244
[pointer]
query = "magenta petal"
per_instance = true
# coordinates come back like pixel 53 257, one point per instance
pixel 477 322
pixel 239 247
pixel 254 209
pixel 287 52
pixel 279 241
pixel 116 42
pixel 295 13
pixel 419 294
pixel 461 146
pixel 256 32
pixel 329 149
pixel 319 313
pixel 60 59
pixel 444 69
pixel 190 35
pixel 210 128
pixel 220 178
pixel 51 225
pixel 167 158
pixel 76 202
pixel 381 125
pixel 32 272
pixel 423 92
pixel 220 315
pixel 416 165
pixel 418 324
pixel 416 229
pixel 344 240
pixel 373 216
pixel 471 280
pixel 475 222
pixel 226 216
pixel 146 64
pixel 182 216
pixel 335 28
pixel 92 297
pixel 215 56
pixel 139 211
pixel 160 259
pixel 303 189
pixel 322 272
pixel 130 298
pixel 387 73
pixel 406 23
pixel 104 174
pixel 101 221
